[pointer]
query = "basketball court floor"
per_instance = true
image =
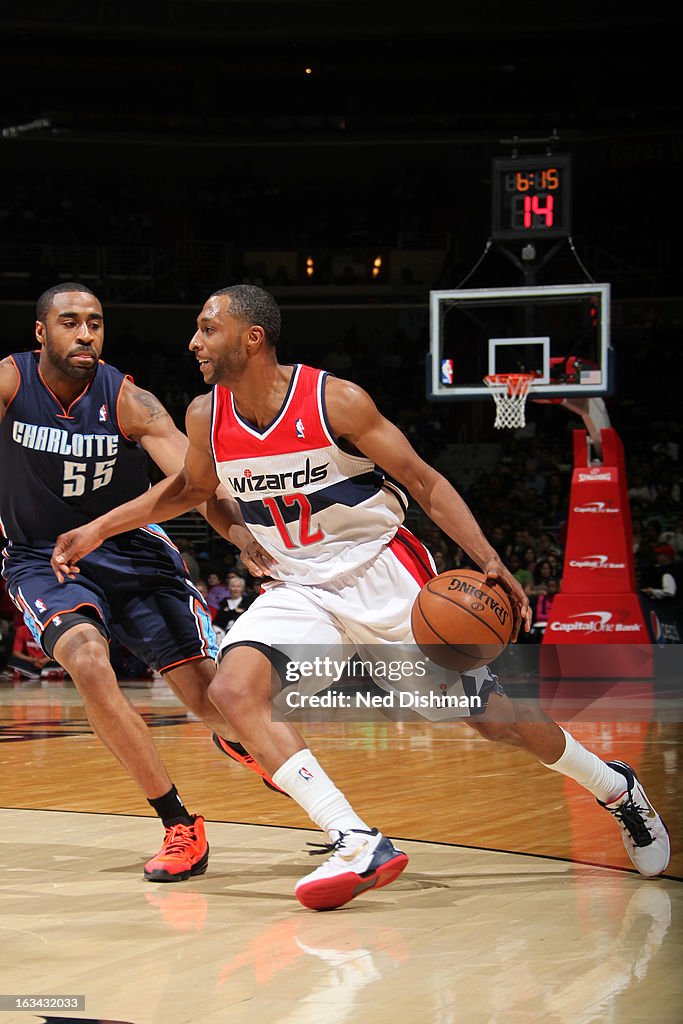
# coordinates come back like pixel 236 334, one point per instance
pixel 518 904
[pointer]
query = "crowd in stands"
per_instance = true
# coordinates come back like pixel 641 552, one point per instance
pixel 305 204
pixel 298 205
pixel 238 210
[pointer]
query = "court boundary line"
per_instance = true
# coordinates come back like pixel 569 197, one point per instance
pixel 400 839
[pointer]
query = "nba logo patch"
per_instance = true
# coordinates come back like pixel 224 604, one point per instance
pixel 57 620
pixel 103 414
pixel 300 432
pixel 305 774
pixel 447 371
pixel 40 605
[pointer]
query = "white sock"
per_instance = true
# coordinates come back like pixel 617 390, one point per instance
pixel 589 771
pixel 305 781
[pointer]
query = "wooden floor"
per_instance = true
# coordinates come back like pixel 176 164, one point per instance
pixel 518 903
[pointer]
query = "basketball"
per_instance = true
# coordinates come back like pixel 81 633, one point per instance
pixel 460 621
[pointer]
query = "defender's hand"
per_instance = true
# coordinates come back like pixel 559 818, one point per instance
pixel 70 547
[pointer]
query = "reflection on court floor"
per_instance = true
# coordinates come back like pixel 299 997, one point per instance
pixel 467 934
pixel 463 935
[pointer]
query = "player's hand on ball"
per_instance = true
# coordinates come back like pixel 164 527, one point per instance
pixel 461 620
pixel 70 547
pixel 521 609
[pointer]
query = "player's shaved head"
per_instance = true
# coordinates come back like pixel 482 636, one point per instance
pixel 44 303
pixel 254 306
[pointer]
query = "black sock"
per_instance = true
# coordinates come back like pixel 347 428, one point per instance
pixel 171 809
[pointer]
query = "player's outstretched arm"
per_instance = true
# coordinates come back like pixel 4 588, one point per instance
pixel 144 419
pixel 354 416
pixel 196 482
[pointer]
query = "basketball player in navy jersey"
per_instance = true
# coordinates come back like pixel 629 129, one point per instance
pixel 73 442
pixel 300 451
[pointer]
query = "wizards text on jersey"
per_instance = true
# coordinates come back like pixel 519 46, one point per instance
pixel 319 509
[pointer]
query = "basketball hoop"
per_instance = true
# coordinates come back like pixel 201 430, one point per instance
pixel 510 392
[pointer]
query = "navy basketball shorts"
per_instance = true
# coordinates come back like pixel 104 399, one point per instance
pixel 135 587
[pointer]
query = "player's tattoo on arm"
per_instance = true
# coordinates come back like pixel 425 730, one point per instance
pixel 154 410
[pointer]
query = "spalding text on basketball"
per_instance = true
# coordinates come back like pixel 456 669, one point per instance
pixel 498 610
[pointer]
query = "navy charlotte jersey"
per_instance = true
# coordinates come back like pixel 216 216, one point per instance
pixel 61 467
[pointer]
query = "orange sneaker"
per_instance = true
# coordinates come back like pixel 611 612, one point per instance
pixel 184 852
pixel 237 752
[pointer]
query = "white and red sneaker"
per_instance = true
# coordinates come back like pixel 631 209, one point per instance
pixel 361 860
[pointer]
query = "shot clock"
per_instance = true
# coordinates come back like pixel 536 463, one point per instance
pixel 531 197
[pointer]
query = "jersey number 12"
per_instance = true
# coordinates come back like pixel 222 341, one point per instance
pixel 305 536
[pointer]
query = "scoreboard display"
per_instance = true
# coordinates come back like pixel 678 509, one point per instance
pixel 531 197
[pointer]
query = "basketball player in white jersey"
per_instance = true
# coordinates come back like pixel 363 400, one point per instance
pixel 300 451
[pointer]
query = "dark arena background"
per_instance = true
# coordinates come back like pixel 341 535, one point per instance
pixel 367 164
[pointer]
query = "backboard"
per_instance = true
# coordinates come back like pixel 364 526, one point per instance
pixel 561 333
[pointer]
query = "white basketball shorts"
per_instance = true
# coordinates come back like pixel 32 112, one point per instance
pixel 366 613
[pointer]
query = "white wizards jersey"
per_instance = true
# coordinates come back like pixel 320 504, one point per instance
pixel 318 510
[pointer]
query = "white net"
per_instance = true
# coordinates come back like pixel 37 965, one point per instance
pixel 510 392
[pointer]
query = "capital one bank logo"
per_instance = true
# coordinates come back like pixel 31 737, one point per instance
pixel 664 632
pixel 596 508
pixel 594 622
pixel 595 562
